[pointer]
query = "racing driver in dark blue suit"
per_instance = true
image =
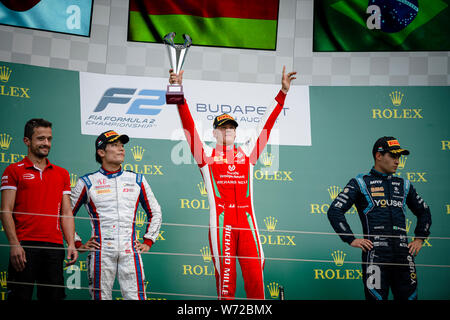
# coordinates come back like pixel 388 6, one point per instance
pixel 381 200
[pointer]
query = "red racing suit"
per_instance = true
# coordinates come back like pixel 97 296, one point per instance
pixel 228 176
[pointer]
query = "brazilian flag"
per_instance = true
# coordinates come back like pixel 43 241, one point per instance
pixel 250 24
pixel 381 25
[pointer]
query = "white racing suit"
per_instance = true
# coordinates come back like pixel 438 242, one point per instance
pixel 112 200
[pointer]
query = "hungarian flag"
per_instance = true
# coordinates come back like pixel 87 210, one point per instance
pixel 381 25
pixel 232 23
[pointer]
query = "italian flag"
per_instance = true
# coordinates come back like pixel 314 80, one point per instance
pixel 232 23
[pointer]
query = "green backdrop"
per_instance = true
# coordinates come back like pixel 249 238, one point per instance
pixel 303 254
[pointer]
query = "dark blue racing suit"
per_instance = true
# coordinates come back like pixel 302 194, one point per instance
pixel 381 202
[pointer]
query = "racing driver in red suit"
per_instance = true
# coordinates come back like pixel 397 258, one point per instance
pixel 227 171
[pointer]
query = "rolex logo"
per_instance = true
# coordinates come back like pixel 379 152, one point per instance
pixel 206 254
pixel 3 278
pixel 333 191
pixel 408 225
pixel 402 162
pixel 396 98
pixel 5 73
pixel 73 180
pixel 138 153
pixel 5 141
pixel 338 273
pixel 202 188
pixel 274 289
pixel 140 218
pixel 397 113
pixel 267 159
pixel 338 258
pixel 271 223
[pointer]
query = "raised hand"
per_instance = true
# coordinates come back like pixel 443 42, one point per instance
pixel 175 78
pixel 286 80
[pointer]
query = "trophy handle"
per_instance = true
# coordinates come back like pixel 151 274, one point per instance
pixel 187 40
pixel 168 38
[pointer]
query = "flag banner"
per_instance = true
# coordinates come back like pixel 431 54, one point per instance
pixel 64 16
pixel 249 24
pixel 381 25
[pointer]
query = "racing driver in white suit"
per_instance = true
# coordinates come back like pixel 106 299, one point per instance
pixel 111 197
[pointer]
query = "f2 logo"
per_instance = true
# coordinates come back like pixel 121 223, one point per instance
pixel 139 105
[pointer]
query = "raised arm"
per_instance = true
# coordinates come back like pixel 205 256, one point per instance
pixel 256 143
pixel 190 131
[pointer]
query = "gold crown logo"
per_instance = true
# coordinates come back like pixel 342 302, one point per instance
pixel 138 153
pixel 5 141
pixel 338 257
pixel 206 254
pixel 271 223
pixel 5 73
pixel 3 278
pixel 140 218
pixel 408 225
pixel 333 191
pixel 73 180
pixel 274 289
pixel 396 98
pixel 267 159
pixel 402 162
pixel 202 188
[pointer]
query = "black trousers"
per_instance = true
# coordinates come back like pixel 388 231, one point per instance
pixel 382 272
pixel 44 267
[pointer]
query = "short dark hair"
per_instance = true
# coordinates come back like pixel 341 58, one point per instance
pixel 35 123
pixel 97 157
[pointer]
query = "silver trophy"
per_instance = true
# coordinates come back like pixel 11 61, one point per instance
pixel 177 55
